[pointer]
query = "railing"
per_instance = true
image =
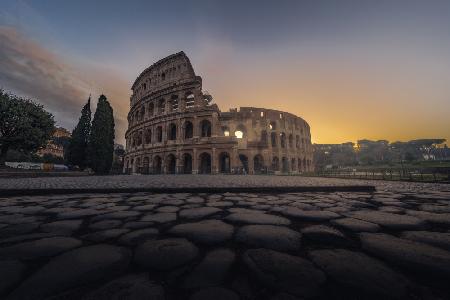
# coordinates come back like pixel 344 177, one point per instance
pixel 441 174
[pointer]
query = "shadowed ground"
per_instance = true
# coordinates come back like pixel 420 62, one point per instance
pixel 392 243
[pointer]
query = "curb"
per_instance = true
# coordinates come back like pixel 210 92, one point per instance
pixel 210 190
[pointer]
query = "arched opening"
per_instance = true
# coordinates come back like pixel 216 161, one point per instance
pixel 151 109
pixel 291 141
pixel 138 165
pixel 205 127
pixel 190 100
pixel 264 137
pixel 174 102
pixel 146 165
pixel 273 139
pixel 240 132
pixel 285 165
pixel 187 163
pixel 283 140
pixel 258 164
pixel 293 165
pixel 225 131
pixel 275 164
pixel 132 166
pixel 188 130
pixel 148 136
pixel 244 163
pixel 161 106
pixel 159 135
pixel 205 163
pixel 299 165
pixel 171 164
pixel 305 168
pixel 273 126
pixel 297 141
pixel 141 117
pixel 157 165
pixel 172 134
pixel 224 162
pixel 163 76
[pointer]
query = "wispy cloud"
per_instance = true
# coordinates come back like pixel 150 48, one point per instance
pixel 29 69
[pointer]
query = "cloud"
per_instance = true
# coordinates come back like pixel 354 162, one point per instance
pixel 29 69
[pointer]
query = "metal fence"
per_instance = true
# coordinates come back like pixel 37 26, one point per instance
pixel 441 174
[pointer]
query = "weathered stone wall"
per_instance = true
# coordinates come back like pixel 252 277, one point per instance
pixel 174 128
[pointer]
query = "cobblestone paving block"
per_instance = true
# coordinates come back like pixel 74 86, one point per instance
pixel 389 220
pixel 358 271
pixel 93 263
pixel 212 270
pixel 133 287
pixel 205 232
pixel 284 272
pixel 164 255
pixel 257 218
pixel 269 236
pixel 408 254
pixel 325 235
pixel 438 239
pixel 198 213
pixel 45 247
pixel 356 225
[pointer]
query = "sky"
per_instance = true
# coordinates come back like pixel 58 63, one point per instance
pixel 352 69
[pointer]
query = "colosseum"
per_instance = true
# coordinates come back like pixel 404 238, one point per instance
pixel 175 128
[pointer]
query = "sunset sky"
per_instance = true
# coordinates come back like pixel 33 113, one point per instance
pixel 352 69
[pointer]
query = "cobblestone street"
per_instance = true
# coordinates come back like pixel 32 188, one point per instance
pixel 390 244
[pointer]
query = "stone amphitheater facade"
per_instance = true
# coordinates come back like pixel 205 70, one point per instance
pixel 174 128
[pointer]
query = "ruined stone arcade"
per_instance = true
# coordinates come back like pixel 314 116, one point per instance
pixel 174 128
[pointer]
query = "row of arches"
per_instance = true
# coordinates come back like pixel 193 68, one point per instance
pixel 169 164
pixel 146 136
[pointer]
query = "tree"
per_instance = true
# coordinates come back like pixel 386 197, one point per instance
pixel 101 142
pixel 24 125
pixel 77 151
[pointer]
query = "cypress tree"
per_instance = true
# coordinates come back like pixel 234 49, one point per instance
pixel 78 147
pixel 101 142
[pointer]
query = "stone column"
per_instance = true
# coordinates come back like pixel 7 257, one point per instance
pixel 214 169
pixel 194 162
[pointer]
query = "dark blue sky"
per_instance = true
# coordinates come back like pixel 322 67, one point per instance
pixel 328 61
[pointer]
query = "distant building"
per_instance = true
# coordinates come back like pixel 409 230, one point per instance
pixel 55 146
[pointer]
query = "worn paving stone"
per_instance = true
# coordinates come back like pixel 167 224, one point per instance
pixel 212 270
pixel 129 287
pixel 310 215
pixel 167 209
pixel 106 224
pixel 358 271
pixel 45 247
pixel 325 234
pixel 79 213
pixel 146 207
pixel 137 236
pixel 160 218
pixel 105 235
pixel 27 237
pixel 63 227
pixel 217 293
pixel 93 263
pixel 438 239
pixel 257 218
pixel 356 225
pixel 12 271
pixel 389 220
pixel 284 272
pixel 205 232
pixel 408 254
pixel 198 213
pixel 269 236
pixel 442 219
pixel 124 214
pixel 164 255
pixel 137 225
